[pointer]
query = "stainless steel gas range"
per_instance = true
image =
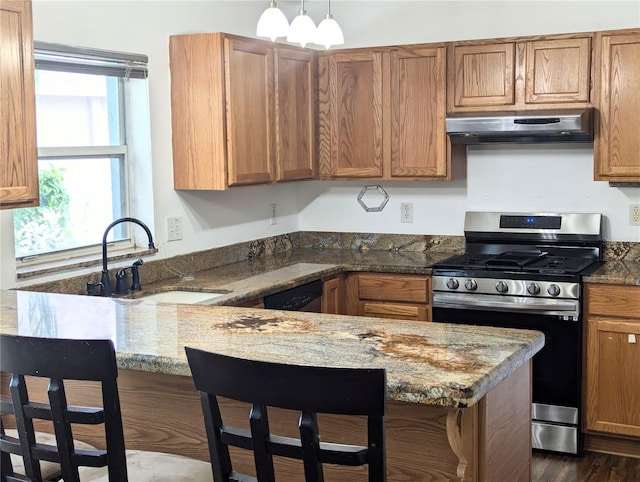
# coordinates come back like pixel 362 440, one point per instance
pixel 524 270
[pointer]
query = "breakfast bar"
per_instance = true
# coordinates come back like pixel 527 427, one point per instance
pixel 458 397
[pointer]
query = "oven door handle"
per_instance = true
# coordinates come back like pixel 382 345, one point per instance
pixel 505 303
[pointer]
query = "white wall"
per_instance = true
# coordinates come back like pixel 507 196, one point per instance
pixel 541 178
pixel 212 219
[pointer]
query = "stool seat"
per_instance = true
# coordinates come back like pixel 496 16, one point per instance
pixel 143 466
pixel 49 469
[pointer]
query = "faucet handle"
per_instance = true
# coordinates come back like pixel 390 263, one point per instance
pixel 92 288
pixel 121 282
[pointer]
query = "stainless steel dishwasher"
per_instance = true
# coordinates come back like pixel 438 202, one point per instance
pixel 306 297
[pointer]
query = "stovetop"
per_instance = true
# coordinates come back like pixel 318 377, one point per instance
pixel 526 245
pixel 533 261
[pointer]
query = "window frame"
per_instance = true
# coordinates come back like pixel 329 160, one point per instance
pixel 58 57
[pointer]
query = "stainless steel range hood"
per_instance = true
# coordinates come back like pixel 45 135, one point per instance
pixel 521 127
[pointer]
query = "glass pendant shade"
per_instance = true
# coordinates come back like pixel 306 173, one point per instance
pixel 329 33
pixel 302 29
pixel 273 23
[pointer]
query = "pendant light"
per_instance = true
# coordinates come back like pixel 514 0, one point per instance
pixel 329 32
pixel 302 29
pixel 272 23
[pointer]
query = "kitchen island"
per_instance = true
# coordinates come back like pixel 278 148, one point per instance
pixel 458 396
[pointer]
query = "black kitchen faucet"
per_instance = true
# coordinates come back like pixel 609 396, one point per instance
pixel 105 281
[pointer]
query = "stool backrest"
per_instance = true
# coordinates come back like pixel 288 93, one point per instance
pixel 59 360
pixel 308 389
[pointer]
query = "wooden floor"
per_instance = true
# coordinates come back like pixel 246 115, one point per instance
pixel 593 467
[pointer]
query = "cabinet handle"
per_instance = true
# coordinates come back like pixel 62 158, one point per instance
pixel 537 121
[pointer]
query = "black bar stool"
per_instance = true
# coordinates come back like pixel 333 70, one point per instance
pixel 308 389
pixel 89 360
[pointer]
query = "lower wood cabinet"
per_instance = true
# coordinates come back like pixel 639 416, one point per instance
pixel 389 295
pixel 333 295
pixel 612 359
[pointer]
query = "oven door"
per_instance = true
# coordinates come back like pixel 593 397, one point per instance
pixel 556 370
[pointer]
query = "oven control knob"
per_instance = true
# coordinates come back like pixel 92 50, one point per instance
pixel 553 290
pixel 502 287
pixel 452 284
pixel 533 289
pixel 471 285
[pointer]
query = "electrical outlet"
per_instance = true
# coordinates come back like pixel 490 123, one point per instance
pixel 274 219
pixel 634 215
pixel 406 212
pixel 174 228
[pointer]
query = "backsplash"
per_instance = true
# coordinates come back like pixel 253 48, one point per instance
pixel 621 251
pixel 378 242
pixel 186 265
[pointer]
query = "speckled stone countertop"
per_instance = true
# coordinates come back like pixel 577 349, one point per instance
pixel 250 280
pixel 619 272
pixel 426 363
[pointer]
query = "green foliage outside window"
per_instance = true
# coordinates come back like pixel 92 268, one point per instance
pixel 51 217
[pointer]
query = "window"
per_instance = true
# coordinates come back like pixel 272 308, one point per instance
pixel 86 101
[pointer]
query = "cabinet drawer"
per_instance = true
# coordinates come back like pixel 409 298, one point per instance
pixel 390 287
pixel 613 300
pixel 396 311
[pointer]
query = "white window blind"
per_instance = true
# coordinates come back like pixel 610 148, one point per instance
pixel 82 60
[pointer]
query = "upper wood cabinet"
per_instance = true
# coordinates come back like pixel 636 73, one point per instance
pixel 241 111
pixel 418 140
pixel 353 82
pixel 612 359
pixel 249 89
pixel 295 78
pixel 18 152
pixel 519 74
pixel 381 114
pixel 617 102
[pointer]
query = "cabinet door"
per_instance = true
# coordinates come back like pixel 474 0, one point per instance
pixel 18 153
pixel 481 76
pixel 558 71
pixel 617 145
pixel 333 296
pixel 198 111
pixel 355 100
pixel 418 109
pixel 295 104
pixel 249 79
pixel 613 376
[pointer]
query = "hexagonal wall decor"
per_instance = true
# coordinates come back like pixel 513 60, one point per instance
pixel 375 192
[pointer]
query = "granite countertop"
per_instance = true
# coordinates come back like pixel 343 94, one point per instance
pixel 245 281
pixel 250 280
pixel 616 272
pixel 426 363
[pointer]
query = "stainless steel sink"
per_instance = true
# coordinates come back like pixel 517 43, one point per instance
pixel 181 296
